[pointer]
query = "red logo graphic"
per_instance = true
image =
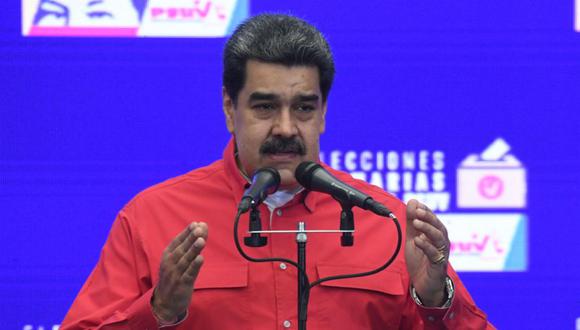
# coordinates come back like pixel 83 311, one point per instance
pixel 490 187
pixel 476 245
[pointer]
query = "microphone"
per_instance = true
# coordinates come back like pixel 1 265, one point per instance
pixel 264 182
pixel 314 177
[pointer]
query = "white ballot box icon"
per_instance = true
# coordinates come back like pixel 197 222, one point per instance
pixel 493 179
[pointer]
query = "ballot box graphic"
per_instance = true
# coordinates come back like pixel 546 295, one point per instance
pixel 492 179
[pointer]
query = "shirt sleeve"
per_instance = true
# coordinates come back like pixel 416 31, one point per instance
pixel 117 294
pixel 462 314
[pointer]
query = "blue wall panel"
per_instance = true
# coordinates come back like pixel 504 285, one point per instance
pixel 86 123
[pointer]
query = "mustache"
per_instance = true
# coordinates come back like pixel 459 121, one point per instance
pixel 277 145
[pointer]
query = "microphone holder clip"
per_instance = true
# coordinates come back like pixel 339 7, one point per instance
pixel 255 239
pixel 346 224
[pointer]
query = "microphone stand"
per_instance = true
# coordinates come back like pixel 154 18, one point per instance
pixel 303 284
pixel 347 239
pixel 301 238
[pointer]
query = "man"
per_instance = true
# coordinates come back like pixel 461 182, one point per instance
pixel 278 71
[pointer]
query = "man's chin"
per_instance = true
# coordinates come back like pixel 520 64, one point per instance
pixel 287 179
pixel 283 158
pixel 286 165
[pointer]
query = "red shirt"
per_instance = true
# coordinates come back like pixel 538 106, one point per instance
pixel 232 293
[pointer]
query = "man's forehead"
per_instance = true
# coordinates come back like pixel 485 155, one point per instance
pixel 257 66
pixel 272 78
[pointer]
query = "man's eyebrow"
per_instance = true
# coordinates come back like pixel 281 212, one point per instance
pixel 95 2
pixel 307 98
pixel 260 96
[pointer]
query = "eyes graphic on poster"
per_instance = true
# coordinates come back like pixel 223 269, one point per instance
pixel 87 13
pixel 132 18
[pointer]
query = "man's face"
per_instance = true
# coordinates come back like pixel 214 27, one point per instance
pixel 277 119
pixel 87 13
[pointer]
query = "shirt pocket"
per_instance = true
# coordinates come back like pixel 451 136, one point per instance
pixel 370 302
pixel 220 299
pixel 222 276
pixel 387 281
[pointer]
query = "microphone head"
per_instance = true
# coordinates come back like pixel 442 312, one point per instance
pixel 265 181
pixel 304 173
pixel 269 175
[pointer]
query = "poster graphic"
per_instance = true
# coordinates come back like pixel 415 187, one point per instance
pixel 577 16
pixel 487 226
pixel 132 18
pixel 493 179
pixel 489 242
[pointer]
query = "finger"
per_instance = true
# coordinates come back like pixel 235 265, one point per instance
pixel 201 230
pixel 188 257
pixel 191 254
pixel 423 209
pixel 429 249
pixel 192 271
pixel 184 247
pixel 433 235
pixel 411 209
pixel 412 206
pixel 198 230
pixel 179 239
pixel 425 214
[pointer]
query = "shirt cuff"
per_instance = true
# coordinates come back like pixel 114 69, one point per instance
pixel 140 315
pixel 449 291
pixel 164 324
pixel 434 316
pixel 161 323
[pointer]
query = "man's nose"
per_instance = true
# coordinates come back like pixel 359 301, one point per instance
pixel 285 124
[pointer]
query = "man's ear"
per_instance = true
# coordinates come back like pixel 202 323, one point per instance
pixel 228 107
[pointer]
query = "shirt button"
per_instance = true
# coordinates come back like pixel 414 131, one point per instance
pixel 451 315
pixel 431 318
pixel 283 266
pixel 287 324
pixel 279 212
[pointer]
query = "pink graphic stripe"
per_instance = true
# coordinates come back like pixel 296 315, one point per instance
pixel 43 31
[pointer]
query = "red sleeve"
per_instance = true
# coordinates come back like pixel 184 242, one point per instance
pixel 462 314
pixel 117 294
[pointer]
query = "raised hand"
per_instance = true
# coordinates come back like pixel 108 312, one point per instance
pixel 179 267
pixel 426 252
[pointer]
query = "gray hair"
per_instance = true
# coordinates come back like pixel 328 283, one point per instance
pixel 275 38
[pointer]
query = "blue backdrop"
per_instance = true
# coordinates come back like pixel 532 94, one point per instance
pixel 86 123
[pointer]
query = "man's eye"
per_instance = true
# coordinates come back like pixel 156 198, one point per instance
pixel 264 106
pixel 305 108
